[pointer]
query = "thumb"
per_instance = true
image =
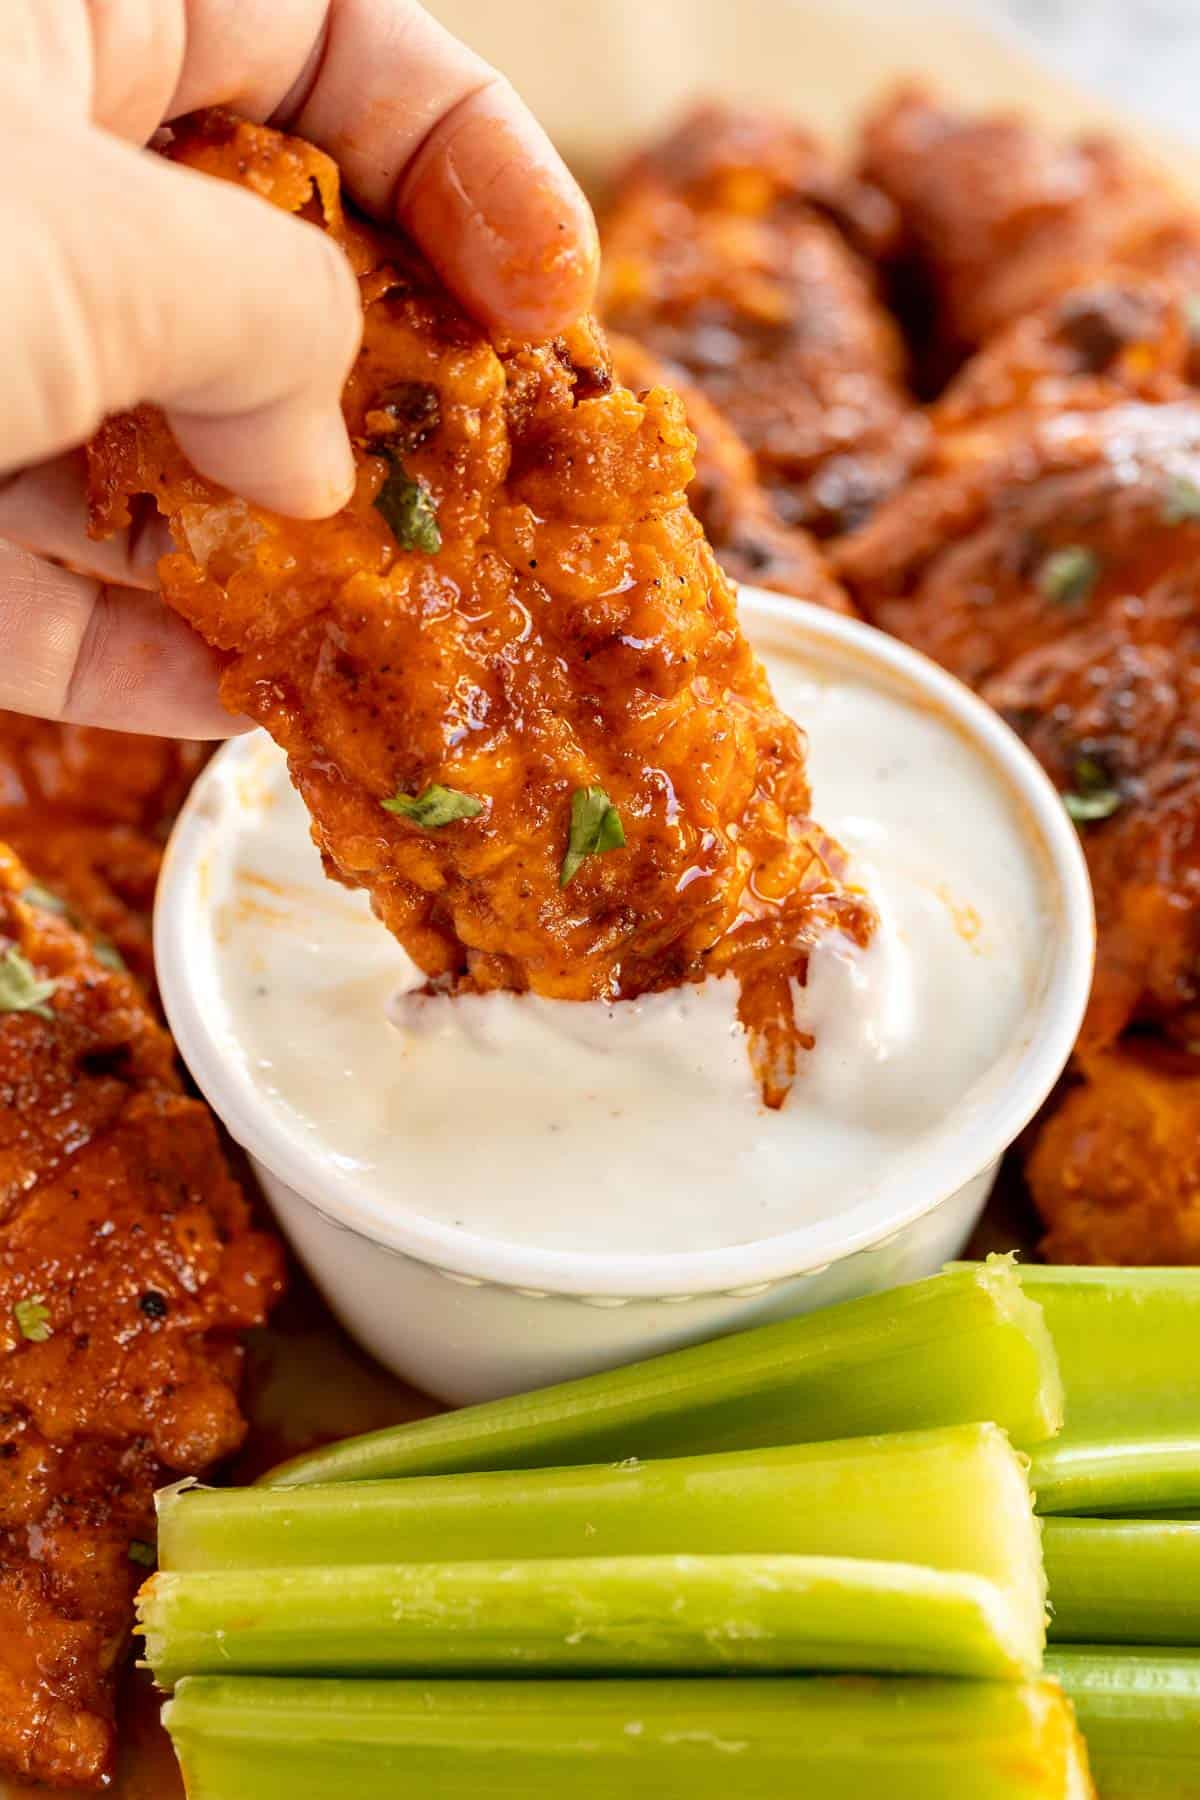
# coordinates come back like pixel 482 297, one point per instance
pixel 126 278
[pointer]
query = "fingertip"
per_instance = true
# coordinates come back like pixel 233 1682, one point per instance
pixel 292 459
pixel 501 217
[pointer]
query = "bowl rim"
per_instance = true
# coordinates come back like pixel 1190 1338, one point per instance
pixel 1050 1028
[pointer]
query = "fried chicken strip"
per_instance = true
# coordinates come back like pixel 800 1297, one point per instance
pixel 999 216
pixel 88 812
pixel 127 1271
pixel 736 252
pixel 516 634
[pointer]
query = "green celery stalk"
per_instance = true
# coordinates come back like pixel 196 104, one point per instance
pixel 1140 1712
pixel 1126 1342
pixel 965 1345
pixel 954 1499
pixel 1123 1581
pixel 921 1739
pixel 594 1615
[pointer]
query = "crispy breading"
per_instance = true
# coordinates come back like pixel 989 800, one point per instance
pixel 732 250
pixel 740 522
pixel 1116 1168
pixel 127 1269
pixel 562 627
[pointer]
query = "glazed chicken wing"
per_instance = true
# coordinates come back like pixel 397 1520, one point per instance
pixel 998 216
pixel 88 812
pixel 732 251
pixel 127 1270
pixel 509 674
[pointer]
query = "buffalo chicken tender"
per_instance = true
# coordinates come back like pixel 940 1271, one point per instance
pixel 1116 1168
pixel 509 675
pixel 88 813
pixel 999 216
pixel 127 1271
pixel 735 252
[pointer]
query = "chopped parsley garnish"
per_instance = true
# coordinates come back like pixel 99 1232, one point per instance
pixel 434 807
pixel 1068 576
pixel 407 507
pixel 1182 503
pixel 1191 307
pixel 1094 795
pixel 595 827
pixel 33 1319
pixel 37 895
pixel 109 957
pixel 20 989
pixel 142 1552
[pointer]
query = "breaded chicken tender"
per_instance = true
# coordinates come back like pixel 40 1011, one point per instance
pixel 737 252
pixel 999 216
pixel 127 1271
pixel 509 675
pixel 88 812
pixel 1116 1168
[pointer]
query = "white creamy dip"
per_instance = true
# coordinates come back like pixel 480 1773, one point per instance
pixel 638 1127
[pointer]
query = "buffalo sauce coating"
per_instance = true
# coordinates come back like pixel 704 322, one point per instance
pixel 571 630
pixel 88 812
pixel 127 1271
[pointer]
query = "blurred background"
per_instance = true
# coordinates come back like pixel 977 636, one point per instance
pixel 1144 54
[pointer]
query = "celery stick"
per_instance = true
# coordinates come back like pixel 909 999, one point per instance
pixel 962 1346
pixel 1126 1342
pixel 586 1615
pixel 921 1739
pixel 1123 1581
pixel 1140 1712
pixel 954 1499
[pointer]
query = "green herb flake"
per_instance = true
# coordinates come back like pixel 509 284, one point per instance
pixel 109 957
pixel 1067 576
pixel 595 827
pixel 1182 505
pixel 37 895
pixel 1191 309
pixel 20 989
pixel 33 1319
pixel 408 509
pixel 143 1553
pixel 1094 796
pixel 434 807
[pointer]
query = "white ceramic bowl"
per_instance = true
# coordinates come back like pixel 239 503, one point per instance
pixel 468 1318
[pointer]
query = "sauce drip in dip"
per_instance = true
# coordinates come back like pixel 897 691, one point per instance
pixel 639 1127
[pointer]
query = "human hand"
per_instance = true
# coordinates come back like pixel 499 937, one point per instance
pixel 127 278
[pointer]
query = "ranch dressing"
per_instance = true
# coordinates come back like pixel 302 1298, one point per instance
pixel 638 1127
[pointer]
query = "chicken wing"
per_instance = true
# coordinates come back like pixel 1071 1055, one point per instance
pixel 998 216
pixel 509 674
pixel 88 813
pixel 751 541
pixel 735 251
pixel 127 1270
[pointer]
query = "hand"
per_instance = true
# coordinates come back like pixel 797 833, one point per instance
pixel 125 278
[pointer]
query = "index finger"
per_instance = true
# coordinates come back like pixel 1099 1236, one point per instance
pixel 425 132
